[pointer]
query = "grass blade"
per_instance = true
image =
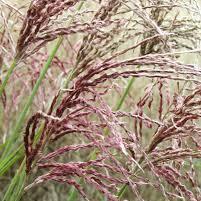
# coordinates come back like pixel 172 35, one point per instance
pixel 9 73
pixel 16 186
pixel 11 159
pixel 125 94
pixel 18 154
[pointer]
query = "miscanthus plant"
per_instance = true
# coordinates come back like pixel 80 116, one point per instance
pixel 118 115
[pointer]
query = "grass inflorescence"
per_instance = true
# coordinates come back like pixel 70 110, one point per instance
pixel 110 109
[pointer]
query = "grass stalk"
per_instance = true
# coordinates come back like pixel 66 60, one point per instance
pixel 16 155
pixel 16 186
pixel 125 94
pixel 9 73
pixel 122 191
pixel 11 159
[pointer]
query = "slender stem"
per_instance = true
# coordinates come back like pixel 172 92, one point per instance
pixel 17 154
pixel 122 191
pixel 119 105
pixel 124 187
pixel 16 183
pixel 8 161
pixel 9 73
pixel 122 99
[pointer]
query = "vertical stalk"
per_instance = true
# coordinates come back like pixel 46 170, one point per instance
pixel 9 73
pixel 125 94
pixel 15 188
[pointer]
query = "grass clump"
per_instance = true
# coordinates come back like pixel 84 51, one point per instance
pixel 114 108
